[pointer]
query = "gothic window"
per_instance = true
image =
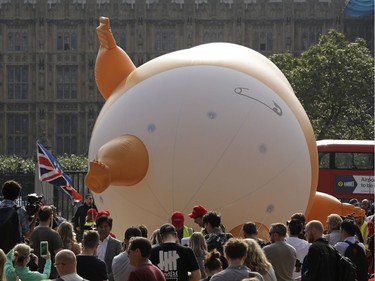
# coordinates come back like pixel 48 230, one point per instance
pixel 165 40
pixel 310 36
pixel 17 41
pixel 67 40
pixel 10 41
pixel 18 82
pixel 171 41
pixel 213 35
pixel 66 133
pixel 157 41
pixel 269 41
pixel 24 41
pixel 17 134
pixel 67 81
pixel 120 38
pixel 262 41
pixel 206 37
pixel 255 40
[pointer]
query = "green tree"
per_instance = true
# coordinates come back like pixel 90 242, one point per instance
pixel 16 164
pixel 10 164
pixel 73 162
pixel 334 81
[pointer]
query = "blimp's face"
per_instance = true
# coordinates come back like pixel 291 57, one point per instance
pixel 215 137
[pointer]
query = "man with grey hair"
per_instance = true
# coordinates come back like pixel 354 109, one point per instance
pixel 333 229
pixel 321 260
pixel 281 255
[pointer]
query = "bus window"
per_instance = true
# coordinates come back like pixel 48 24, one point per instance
pixel 344 160
pixel 364 161
pixel 324 160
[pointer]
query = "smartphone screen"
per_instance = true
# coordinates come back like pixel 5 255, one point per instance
pixel 43 248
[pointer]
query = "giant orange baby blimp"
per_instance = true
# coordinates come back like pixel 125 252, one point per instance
pixel 216 125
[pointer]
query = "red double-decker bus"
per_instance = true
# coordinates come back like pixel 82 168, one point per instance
pixel 346 168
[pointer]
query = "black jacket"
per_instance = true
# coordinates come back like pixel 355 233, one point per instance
pixel 80 215
pixel 320 262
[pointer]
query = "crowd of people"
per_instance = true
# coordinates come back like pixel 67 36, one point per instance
pixel 86 249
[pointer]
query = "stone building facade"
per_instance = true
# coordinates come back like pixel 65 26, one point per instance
pixel 48 50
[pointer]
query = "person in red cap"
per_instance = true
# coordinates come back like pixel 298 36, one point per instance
pixel 178 221
pixel 103 213
pixel 197 214
pixel 90 220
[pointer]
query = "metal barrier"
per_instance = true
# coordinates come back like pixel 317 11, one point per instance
pixel 53 195
pixel 64 205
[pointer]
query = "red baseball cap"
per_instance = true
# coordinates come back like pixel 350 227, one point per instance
pixel 103 213
pixel 92 212
pixel 178 219
pixel 198 211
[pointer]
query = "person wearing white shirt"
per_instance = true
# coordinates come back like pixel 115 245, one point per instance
pixel 121 267
pixel 102 248
pixel 302 246
pixel 108 247
pixel 347 234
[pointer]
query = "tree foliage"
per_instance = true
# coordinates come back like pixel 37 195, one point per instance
pixel 334 81
pixel 15 164
pixel 73 162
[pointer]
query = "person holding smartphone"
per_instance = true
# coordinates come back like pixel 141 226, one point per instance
pixel 45 237
pixel 20 256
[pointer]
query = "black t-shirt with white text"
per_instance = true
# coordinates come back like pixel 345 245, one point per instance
pixel 174 260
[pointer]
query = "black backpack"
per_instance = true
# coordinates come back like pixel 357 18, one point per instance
pixel 9 228
pixel 217 241
pixel 358 257
pixel 347 271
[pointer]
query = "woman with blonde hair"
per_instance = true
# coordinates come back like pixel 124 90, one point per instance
pixel 199 246
pixel 65 231
pixel 155 238
pixel 16 265
pixel 257 261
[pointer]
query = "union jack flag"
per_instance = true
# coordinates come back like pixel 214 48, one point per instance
pixel 50 170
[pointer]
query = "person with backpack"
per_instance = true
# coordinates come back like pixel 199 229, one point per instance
pixel 15 226
pixel 321 260
pixel 215 238
pixel 353 249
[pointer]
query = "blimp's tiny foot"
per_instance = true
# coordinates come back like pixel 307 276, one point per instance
pixel 99 178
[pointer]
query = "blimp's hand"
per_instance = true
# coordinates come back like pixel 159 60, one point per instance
pixel 105 34
pixel 99 178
